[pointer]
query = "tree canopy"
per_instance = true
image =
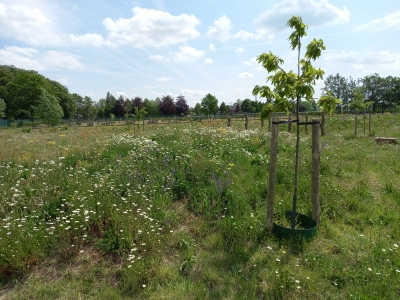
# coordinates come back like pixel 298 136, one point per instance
pixel 48 109
pixel 209 105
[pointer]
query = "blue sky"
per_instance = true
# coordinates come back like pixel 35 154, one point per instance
pixel 158 47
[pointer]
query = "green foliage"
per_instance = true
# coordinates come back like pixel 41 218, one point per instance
pixel 328 102
pixel 223 108
pixel 48 109
pixel 288 86
pixel 209 105
pixel 2 108
pixel 152 107
pixel 197 109
pixel 358 103
pixel 267 110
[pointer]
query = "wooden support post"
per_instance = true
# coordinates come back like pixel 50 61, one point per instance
pixel 262 123
pixel 229 121
pixel 306 123
pixel 323 124
pixel 269 123
pixel 272 175
pixel 364 121
pixel 355 125
pixel 289 127
pixel 315 171
pixel 369 124
pixel 246 122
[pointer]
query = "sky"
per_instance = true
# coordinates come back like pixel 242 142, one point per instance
pixel 151 48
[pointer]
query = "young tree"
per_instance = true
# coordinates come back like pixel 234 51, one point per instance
pixel 328 103
pixel 209 105
pixel 359 102
pixel 289 85
pixel 48 109
pixel 181 106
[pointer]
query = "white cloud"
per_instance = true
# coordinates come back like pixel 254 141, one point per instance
pixel 240 50
pixel 60 60
pixel 119 94
pixel 208 61
pixel 29 24
pixel 63 81
pixel 313 13
pixel 187 54
pixel 251 62
pixel 391 21
pixel 13 56
pixel 244 35
pixel 160 58
pixel 151 28
pixel 221 30
pixel 22 51
pixel 91 39
pixel 245 75
pixel 193 92
pixel 164 79
pixel 357 59
pixel 30 58
pixel 211 47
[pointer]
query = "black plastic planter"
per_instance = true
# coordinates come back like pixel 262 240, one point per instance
pixel 307 227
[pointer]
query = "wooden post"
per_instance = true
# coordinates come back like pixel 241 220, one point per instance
pixel 289 127
pixel 355 125
pixel 143 125
pixel 369 124
pixel 315 171
pixel 306 123
pixel 246 122
pixel 272 175
pixel 269 123
pixel 262 123
pixel 229 121
pixel 323 124
pixel 364 121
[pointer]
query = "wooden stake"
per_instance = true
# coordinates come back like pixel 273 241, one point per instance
pixel 315 171
pixel 269 123
pixel 369 124
pixel 355 125
pixel 289 127
pixel 272 175
pixel 306 123
pixel 323 124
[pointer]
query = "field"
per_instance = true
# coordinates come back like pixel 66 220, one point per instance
pixel 179 212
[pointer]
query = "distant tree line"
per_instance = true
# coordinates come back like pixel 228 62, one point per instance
pixel 370 92
pixel 26 94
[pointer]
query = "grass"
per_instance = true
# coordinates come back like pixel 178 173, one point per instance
pixel 179 212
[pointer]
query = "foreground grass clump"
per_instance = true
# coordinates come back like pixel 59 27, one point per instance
pixel 179 213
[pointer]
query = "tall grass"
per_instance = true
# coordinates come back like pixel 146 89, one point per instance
pixel 179 212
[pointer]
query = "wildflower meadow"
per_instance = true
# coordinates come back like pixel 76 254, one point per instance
pixel 179 212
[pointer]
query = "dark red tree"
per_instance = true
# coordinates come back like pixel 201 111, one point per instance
pixel 167 106
pixel 137 102
pixel 181 106
pixel 119 109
